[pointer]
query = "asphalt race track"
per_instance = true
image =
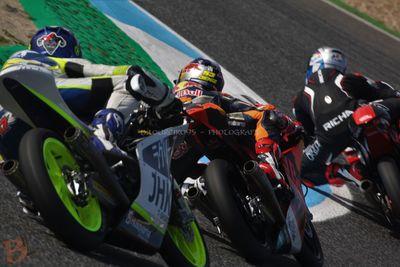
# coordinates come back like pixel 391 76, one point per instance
pixel 266 44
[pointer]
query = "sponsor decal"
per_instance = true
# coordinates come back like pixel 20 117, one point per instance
pixel 328 99
pixel 312 150
pixel 13 251
pixel 180 150
pixel 337 120
pixel 51 42
pixel 138 225
pixel 189 92
pixel 208 76
pixel 365 118
pixel 6 120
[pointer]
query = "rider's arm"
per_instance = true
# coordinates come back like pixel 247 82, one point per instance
pixel 361 87
pixel 302 112
pixel 78 68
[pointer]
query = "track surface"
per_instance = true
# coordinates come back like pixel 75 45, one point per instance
pixel 266 44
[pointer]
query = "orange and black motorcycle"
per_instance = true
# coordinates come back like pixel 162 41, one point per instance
pixel 236 195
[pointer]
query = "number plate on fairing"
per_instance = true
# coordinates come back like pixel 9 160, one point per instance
pixel 156 184
pixel 154 199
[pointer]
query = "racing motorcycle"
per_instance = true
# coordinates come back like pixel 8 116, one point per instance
pixel 372 160
pixel 238 198
pixel 86 197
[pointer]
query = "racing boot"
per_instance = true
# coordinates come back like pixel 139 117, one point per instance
pixel 167 108
pixel 268 152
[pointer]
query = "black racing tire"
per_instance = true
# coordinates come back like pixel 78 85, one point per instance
pixel 218 175
pixel 177 250
pixel 389 174
pixel 311 254
pixel 42 157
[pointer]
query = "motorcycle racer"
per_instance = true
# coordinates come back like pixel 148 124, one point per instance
pixel 102 94
pixel 110 92
pixel 199 86
pixel 325 107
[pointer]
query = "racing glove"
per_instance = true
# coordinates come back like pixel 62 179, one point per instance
pixel 108 125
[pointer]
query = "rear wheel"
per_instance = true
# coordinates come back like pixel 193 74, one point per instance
pixel 311 251
pixel 253 244
pixel 46 163
pixel 390 176
pixel 184 247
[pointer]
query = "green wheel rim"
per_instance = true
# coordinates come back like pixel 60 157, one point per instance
pixel 194 251
pixel 57 156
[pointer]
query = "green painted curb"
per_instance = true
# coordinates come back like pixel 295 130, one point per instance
pixel 101 40
pixel 365 17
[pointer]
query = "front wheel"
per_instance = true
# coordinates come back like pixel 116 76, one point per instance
pixel 46 163
pixel 390 176
pixel 184 246
pixel 311 251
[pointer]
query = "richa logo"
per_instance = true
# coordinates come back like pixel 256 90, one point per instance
pixel 337 120
pixel 13 251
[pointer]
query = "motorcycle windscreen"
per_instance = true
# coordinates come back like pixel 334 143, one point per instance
pixel 29 92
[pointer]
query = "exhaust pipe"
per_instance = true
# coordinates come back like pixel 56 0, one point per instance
pixel 197 199
pixel 13 173
pixel 190 191
pixel 253 172
pixel 366 185
pixel 80 143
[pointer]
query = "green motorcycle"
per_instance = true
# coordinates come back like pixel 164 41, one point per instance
pixel 87 197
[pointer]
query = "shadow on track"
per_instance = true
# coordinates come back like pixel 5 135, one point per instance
pixel 273 260
pixel 361 209
pixel 109 254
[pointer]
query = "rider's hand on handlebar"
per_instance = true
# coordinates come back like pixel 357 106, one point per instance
pixel 170 115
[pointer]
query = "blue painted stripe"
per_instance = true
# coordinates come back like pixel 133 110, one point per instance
pixel 129 13
pixel 314 198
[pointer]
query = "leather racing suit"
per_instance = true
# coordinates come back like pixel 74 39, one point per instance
pixel 324 107
pixel 85 87
pixel 266 126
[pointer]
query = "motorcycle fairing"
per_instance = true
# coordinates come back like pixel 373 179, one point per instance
pixel 151 209
pixel 296 215
pixel 363 115
pixel 29 92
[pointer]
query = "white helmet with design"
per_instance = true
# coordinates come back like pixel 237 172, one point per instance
pixel 325 58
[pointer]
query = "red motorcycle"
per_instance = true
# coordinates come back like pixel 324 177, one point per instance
pixel 237 196
pixel 373 161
